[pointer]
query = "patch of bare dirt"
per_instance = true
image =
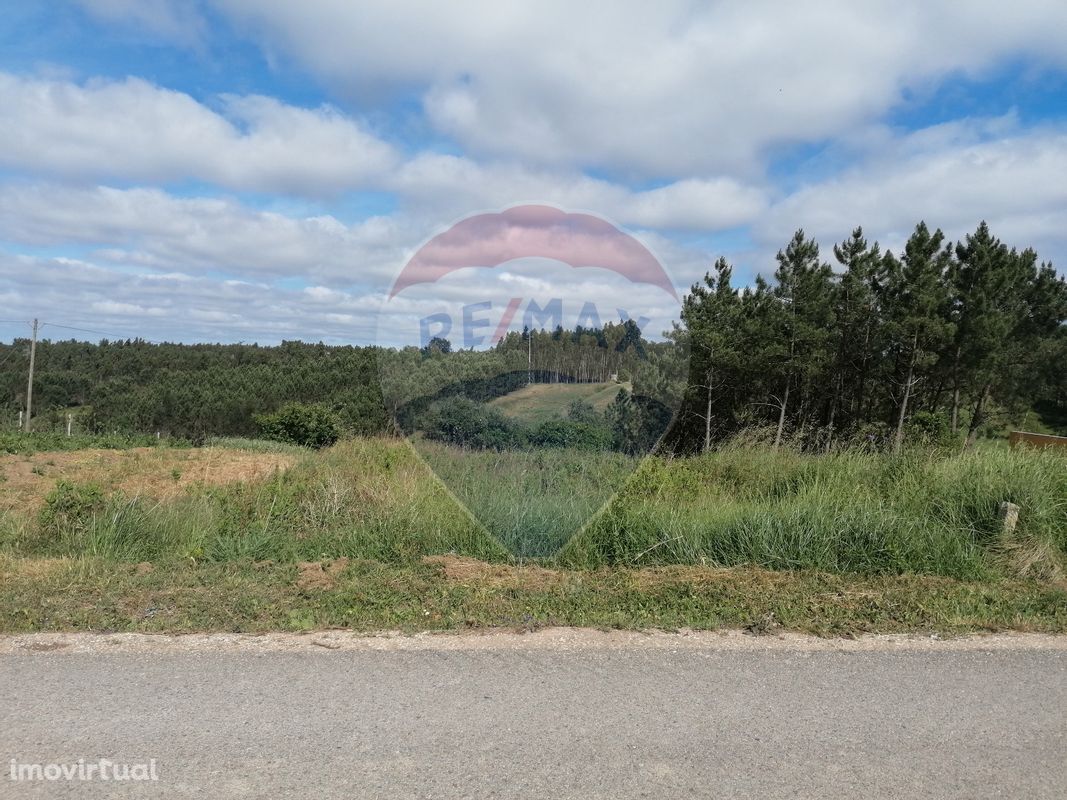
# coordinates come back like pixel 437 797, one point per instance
pixel 461 569
pixel 316 575
pixel 160 473
pixel 37 568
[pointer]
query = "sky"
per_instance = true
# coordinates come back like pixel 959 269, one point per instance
pixel 261 170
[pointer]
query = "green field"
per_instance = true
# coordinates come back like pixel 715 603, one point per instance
pixel 539 402
pixel 845 541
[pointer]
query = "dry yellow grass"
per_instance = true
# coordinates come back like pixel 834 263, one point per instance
pixel 162 473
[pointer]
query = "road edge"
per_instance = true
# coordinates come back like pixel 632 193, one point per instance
pixel 565 639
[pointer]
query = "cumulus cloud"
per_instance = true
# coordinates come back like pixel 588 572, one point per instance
pixel 665 89
pixel 134 130
pixel 664 118
pixel 951 176
pixel 450 185
pixel 150 229
pixel 172 307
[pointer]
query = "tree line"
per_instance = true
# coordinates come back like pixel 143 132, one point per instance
pixel 873 347
pixel 939 337
pixel 190 391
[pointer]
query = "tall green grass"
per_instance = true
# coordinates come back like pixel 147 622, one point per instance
pixel 532 501
pixel 376 499
pixel 368 499
pixel 851 512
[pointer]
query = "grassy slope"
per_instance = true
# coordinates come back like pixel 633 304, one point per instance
pixel 542 401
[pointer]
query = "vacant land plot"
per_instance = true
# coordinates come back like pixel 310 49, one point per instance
pixel 365 535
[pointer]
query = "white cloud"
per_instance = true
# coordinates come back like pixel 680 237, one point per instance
pixel 950 176
pixel 170 307
pixel 673 88
pixel 150 229
pixel 175 22
pixel 451 186
pixel 133 130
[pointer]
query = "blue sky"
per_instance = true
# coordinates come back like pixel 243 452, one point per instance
pixel 234 170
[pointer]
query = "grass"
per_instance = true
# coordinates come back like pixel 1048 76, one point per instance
pixel 362 499
pixel 29 443
pixel 254 445
pixel 97 594
pixel 532 501
pixel 540 402
pixel 362 535
pixel 846 512
pixel 375 499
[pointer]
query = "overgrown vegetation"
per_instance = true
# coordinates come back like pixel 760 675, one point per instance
pixel 15 442
pixel 851 512
pixel 819 433
pixel 304 425
pixel 859 542
pixel 845 512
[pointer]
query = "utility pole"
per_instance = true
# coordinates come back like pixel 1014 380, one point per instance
pixel 29 384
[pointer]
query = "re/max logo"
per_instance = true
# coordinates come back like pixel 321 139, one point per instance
pixel 476 317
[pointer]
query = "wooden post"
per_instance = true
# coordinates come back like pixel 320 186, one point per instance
pixel 1009 517
pixel 29 385
pixel 70 421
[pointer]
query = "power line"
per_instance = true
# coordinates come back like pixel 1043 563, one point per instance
pixel 98 333
pixel 8 357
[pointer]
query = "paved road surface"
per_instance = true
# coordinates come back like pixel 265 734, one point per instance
pixel 574 720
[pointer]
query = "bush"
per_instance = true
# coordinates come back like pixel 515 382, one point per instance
pixel 931 429
pixel 312 426
pixel 463 422
pixel 71 507
pixel 567 433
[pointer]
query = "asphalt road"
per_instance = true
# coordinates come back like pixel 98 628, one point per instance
pixel 556 721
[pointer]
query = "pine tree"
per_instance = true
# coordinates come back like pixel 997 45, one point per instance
pixel 710 314
pixel 916 300
pixel 805 294
pixel 859 327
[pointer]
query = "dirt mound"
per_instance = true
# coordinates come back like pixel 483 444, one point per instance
pixel 314 575
pixel 461 569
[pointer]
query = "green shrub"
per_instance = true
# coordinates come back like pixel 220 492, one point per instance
pixel 568 433
pixel 463 422
pixel 71 507
pixel 306 425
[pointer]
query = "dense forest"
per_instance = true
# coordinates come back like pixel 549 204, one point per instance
pixel 943 340
pixel 189 391
pixel 945 337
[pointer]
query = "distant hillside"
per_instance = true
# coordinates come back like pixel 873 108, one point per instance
pixel 542 401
